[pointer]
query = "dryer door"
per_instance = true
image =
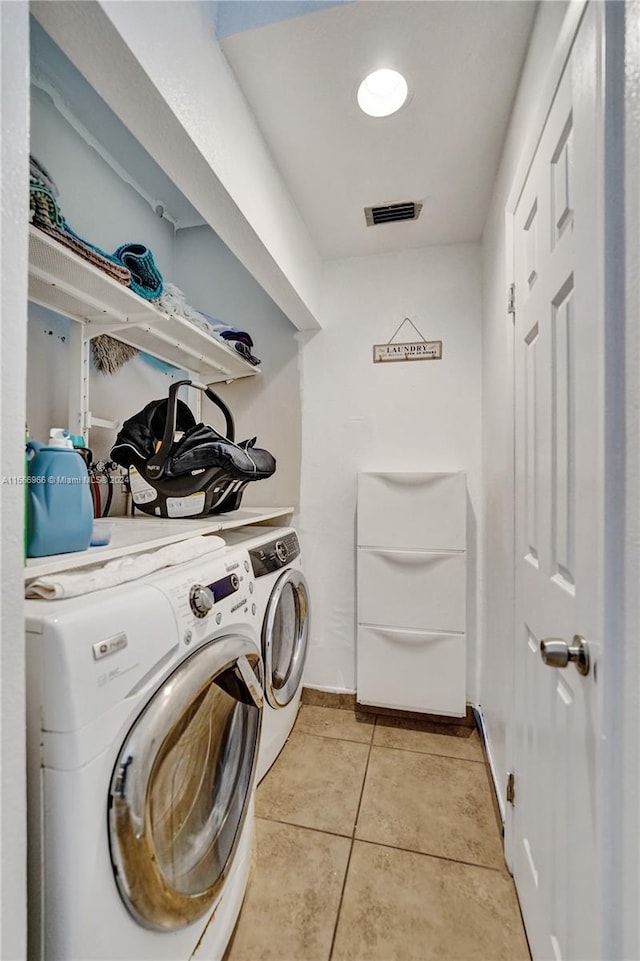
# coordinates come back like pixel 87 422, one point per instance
pixel 182 784
pixel 285 635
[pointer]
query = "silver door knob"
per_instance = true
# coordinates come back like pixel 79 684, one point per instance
pixel 555 652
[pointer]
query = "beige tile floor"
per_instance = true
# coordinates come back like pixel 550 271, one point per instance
pixel 377 840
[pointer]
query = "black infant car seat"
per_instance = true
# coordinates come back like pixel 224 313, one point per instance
pixel 178 468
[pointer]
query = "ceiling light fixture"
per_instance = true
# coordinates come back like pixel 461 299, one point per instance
pixel 382 93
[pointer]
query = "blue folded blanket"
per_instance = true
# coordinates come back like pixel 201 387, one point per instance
pixel 87 243
pixel 143 276
pixel 146 279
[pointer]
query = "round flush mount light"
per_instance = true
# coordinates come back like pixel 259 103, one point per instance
pixel 382 93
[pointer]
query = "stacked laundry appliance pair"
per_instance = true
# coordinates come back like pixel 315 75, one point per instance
pixel 154 706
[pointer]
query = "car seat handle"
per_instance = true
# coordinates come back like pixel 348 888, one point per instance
pixel 156 464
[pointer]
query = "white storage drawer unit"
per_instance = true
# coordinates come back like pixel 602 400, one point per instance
pixel 411 670
pixel 420 511
pixel 411 588
pixel 411 595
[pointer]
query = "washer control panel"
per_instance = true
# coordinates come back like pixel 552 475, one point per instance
pixel 274 555
pixel 203 597
pixel 201 600
pixel 209 593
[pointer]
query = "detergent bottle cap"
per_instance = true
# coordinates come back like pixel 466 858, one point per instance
pixel 60 437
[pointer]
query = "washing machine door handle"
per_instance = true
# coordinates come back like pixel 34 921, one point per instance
pixel 253 684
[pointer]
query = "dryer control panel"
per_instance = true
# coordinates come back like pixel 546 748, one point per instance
pixel 274 555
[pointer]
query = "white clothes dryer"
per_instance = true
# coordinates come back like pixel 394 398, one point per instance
pixel 144 717
pixel 282 604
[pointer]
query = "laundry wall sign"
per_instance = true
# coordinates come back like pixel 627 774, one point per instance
pixel 395 351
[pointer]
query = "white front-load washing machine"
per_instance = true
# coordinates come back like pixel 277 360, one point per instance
pixel 282 603
pixel 144 719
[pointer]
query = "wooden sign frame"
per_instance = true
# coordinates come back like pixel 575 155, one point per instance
pixel 391 352
pixel 416 350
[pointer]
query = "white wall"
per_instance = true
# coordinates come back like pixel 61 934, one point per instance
pixel 496 660
pixel 267 405
pixel 14 108
pixel 361 416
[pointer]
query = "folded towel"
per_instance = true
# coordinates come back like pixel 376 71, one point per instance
pixel 174 303
pixel 146 279
pixel 40 173
pixel 240 339
pixel 244 351
pixel 232 333
pixel 43 206
pixel 226 332
pixel 98 577
pixel 87 252
pixel 132 264
pixel 46 215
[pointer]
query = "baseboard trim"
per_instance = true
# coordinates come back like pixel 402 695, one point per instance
pixel 467 721
pixel 321 697
pixel 348 700
pixel 328 690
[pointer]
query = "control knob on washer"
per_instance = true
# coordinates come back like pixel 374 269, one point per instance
pixel 281 551
pixel 201 600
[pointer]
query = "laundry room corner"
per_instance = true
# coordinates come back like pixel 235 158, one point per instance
pixel 393 417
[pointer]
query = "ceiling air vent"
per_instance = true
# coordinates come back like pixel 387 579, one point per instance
pixel 390 213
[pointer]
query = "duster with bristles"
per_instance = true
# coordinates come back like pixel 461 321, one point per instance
pixel 110 354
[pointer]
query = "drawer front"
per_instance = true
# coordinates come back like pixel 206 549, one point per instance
pixel 414 589
pixel 419 511
pixel 412 670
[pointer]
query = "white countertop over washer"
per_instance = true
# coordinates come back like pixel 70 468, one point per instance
pixel 143 532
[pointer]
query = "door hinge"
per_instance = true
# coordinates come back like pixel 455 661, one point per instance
pixel 511 788
pixel 511 299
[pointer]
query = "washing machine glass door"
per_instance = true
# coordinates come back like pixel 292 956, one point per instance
pixel 285 634
pixel 182 784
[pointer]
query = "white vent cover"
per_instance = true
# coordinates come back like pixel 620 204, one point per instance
pixel 392 213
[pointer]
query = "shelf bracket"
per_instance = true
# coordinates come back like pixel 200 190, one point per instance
pixel 78 397
pixel 101 422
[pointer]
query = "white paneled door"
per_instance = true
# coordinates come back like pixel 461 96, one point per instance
pixel 553 827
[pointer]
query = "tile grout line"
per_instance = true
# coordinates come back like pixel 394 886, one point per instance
pixel 353 836
pixel 449 757
pixel 384 844
pixel 438 857
pixel 303 827
pixel 331 737
pixel 387 747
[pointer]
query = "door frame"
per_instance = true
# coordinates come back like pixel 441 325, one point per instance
pixel 622 303
pixel 619 33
